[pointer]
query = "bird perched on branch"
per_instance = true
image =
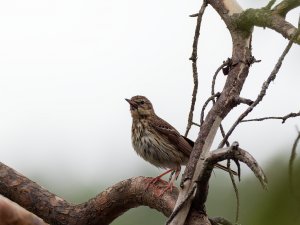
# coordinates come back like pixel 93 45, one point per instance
pixel 157 142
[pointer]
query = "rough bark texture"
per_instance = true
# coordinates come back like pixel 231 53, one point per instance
pixel 130 193
pixel 13 214
pixel 240 25
pixel 102 209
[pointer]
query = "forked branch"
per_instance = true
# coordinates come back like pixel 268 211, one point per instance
pixel 235 152
pixel 283 118
pixel 263 90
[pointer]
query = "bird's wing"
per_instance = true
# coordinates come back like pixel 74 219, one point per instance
pixel 164 128
pixel 189 141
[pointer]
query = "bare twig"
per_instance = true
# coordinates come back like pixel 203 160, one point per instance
pixel 213 83
pixel 211 98
pixel 241 155
pixel 283 118
pixel 244 101
pixel 196 124
pixel 262 93
pixel 234 147
pixel 194 65
pixel 292 159
pixel 194 15
pixel 270 4
pixel 236 191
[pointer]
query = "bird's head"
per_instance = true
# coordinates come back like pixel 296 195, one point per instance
pixel 140 106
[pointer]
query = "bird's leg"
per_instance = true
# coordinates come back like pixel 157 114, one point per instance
pixel 170 184
pixel 155 179
pixel 171 175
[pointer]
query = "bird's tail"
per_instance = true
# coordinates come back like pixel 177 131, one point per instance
pixel 225 169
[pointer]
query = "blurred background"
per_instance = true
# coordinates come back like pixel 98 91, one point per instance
pixel 66 67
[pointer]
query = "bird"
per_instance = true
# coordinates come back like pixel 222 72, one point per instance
pixel 158 142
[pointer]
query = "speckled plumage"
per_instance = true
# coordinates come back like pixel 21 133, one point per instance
pixel 155 140
pixel 155 147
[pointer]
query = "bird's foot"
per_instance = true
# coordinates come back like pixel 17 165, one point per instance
pixel 154 181
pixel 158 178
pixel 169 186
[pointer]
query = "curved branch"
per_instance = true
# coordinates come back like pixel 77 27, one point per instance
pixel 13 214
pixel 102 209
pixel 241 155
pixel 291 162
pixel 211 98
pixel 213 157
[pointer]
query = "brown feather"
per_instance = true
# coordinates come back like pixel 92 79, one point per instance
pixel 156 140
pixel 164 128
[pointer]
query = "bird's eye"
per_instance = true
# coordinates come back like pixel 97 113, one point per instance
pixel 142 102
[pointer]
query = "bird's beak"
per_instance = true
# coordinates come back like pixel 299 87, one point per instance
pixel 133 104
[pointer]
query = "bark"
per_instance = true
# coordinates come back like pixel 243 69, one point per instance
pixel 240 24
pixel 190 206
pixel 102 209
pixel 13 214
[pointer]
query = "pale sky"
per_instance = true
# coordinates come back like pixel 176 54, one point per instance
pixel 66 67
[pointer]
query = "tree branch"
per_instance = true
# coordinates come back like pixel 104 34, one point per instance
pixel 194 58
pixel 211 98
pixel 188 185
pixel 268 18
pixel 234 83
pixel 283 118
pixel 236 191
pixel 285 6
pixel 241 155
pixel 291 162
pixel 262 93
pixel 13 214
pixel 102 209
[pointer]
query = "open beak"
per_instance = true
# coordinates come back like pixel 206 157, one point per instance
pixel 133 104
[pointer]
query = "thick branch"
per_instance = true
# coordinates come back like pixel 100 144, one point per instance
pixel 237 74
pixel 267 18
pixel 233 86
pixel 13 214
pixel 184 197
pixel 285 6
pixel 101 209
pixel 262 93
